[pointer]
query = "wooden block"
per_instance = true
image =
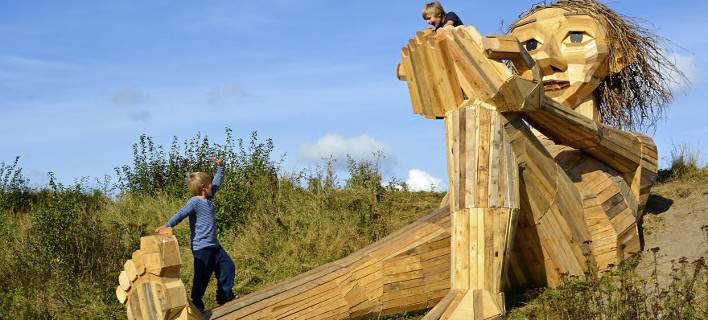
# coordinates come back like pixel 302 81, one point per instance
pixel 173 297
pixel 138 262
pixel 124 281
pixel 155 264
pixel 160 255
pixel 130 270
pixel 121 295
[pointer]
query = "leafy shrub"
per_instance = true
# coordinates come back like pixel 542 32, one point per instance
pixel 14 188
pixel 622 294
pixel 251 175
pixel 684 165
pixel 61 253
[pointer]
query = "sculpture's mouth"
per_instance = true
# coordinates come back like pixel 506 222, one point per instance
pixel 553 85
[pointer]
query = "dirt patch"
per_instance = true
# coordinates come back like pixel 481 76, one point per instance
pixel 675 221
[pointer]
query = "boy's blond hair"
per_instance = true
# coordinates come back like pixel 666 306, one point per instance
pixel 433 9
pixel 197 181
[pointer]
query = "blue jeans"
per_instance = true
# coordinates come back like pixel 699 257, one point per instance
pixel 212 260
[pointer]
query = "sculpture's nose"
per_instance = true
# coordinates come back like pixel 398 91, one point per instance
pixel 549 58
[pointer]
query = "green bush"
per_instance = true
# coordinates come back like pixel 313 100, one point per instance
pixel 251 174
pixel 15 193
pixel 684 165
pixel 623 294
pixel 60 256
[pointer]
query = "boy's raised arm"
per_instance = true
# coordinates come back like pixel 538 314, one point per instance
pixel 218 176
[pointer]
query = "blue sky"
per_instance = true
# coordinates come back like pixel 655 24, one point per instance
pixel 81 80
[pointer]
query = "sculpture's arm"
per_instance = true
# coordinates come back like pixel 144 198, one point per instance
pixel 619 149
pixel 630 153
pixel 623 151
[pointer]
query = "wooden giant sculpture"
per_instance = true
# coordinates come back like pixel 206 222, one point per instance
pixel 539 186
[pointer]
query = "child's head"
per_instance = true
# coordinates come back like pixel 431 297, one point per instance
pixel 200 184
pixel 433 13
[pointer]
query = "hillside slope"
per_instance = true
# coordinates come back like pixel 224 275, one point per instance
pixel 676 222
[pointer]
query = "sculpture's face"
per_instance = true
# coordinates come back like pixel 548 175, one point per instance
pixel 571 51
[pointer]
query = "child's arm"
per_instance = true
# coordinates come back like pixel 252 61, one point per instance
pixel 177 218
pixel 218 176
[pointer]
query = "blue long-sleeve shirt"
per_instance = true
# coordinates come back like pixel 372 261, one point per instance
pixel 202 223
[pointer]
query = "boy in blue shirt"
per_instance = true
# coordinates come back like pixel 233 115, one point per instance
pixel 435 15
pixel 209 256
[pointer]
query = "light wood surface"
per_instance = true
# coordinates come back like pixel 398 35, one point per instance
pixel 150 286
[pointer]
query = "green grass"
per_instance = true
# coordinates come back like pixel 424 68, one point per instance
pixel 55 270
pixel 684 165
pixel 622 294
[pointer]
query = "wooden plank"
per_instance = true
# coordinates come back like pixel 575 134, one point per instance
pixel 461 255
pixel 412 82
pixel 123 280
pixel 121 295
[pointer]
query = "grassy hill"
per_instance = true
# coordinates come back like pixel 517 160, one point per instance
pixel 65 244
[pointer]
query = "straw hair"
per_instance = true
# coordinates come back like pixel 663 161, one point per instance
pixel 433 9
pixel 197 181
pixel 637 91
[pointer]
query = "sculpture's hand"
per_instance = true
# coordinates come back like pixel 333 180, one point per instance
pixel 446 67
pixel 524 90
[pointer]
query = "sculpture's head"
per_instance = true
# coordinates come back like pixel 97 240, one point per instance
pixel 587 51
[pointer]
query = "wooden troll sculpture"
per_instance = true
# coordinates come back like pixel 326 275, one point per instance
pixel 542 181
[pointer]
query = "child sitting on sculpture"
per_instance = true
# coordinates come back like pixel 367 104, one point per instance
pixel 435 15
pixel 209 256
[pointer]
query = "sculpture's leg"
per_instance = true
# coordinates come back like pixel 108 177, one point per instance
pixel 552 235
pixel 612 207
pixel 407 271
pixel 484 204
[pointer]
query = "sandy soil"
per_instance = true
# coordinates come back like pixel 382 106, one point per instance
pixel 675 221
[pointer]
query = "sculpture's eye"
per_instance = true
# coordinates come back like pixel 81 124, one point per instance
pixel 531 45
pixel 576 37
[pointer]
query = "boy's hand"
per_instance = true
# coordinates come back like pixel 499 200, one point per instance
pixel 164 230
pixel 216 161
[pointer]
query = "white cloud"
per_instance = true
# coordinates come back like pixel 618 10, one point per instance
pixel 687 65
pixel 362 147
pixel 419 180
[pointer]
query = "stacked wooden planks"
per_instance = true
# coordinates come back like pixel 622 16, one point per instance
pixel 406 271
pixel 150 286
pixel 484 202
pixel 552 220
pixel 612 209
